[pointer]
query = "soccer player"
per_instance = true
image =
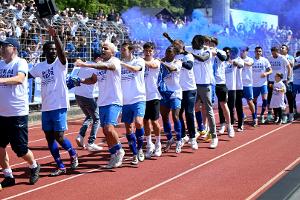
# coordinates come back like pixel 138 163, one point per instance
pixel 55 100
pixel 134 100
pixel 14 109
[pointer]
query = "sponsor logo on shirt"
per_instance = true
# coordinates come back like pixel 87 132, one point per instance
pixel 48 77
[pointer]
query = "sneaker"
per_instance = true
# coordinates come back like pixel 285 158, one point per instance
pixel 240 129
pixel 194 143
pixel 279 122
pixel 270 118
pixel 284 119
pixel 150 150
pixel 184 140
pixel 178 146
pixel 290 118
pixel 34 174
pixel 197 134
pixel 74 162
pixel 214 143
pixel 222 128
pixel 93 147
pixel 169 144
pixel 207 138
pixel 255 123
pixel 119 158
pixel 157 151
pixel 262 119
pixel 141 155
pixel 79 141
pixel 111 162
pixel 58 172
pixel 7 182
pixel 135 160
pixel 231 132
pixel 201 133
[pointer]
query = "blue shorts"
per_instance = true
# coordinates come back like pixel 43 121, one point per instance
pixel 248 92
pixel 109 114
pixel 296 89
pixel 260 90
pixel 55 120
pixel 131 111
pixel 171 103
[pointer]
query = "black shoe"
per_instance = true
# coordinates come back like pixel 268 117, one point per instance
pixel 34 174
pixel 7 182
pixel 58 172
pixel 74 162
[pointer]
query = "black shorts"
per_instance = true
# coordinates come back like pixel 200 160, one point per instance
pixel 152 109
pixel 14 131
pixel 222 92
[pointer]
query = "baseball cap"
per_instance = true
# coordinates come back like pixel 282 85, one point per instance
pixel 13 41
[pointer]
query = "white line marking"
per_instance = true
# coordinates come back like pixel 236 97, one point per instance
pixel 162 183
pixel 203 164
pixel 273 179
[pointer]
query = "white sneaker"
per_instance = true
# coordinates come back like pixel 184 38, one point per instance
pixel 240 129
pixel 119 158
pixel 157 151
pixel 230 130
pixel 135 160
pixel 214 143
pixel 169 144
pixel 194 143
pixel 79 140
pixel 141 155
pixel 150 150
pixel 222 128
pixel 93 147
pixel 111 162
pixel 184 140
pixel 178 146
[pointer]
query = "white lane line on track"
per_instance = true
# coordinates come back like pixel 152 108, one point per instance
pixel 160 184
pixel 273 179
pixel 203 164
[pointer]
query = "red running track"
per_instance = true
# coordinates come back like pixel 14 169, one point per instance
pixel 239 168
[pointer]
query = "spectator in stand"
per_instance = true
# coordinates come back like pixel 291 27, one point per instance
pixel 111 16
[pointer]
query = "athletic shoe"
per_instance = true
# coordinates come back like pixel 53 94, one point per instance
pixel 214 143
pixel 207 138
pixel 74 162
pixel 230 130
pixel 262 119
pixel 157 151
pixel 270 117
pixel 135 160
pixel 169 144
pixel 150 150
pixel 284 119
pixel 7 182
pixel 197 134
pixel 201 133
pixel 194 143
pixel 111 163
pixel 240 129
pixel 79 140
pixel 58 172
pixel 255 123
pixel 34 174
pixel 178 146
pixel 119 158
pixel 222 128
pixel 93 147
pixel 290 118
pixel 184 140
pixel 141 155
pixel 279 122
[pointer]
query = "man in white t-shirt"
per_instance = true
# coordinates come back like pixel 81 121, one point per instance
pixel 296 72
pixel 55 100
pixel 134 100
pixel 261 68
pixel 110 99
pixel 14 109
pixel 84 95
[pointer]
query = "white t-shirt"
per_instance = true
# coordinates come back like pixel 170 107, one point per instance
pixel 259 67
pixel 14 98
pixel 277 100
pixel 220 77
pixel 187 77
pixel 84 90
pixel 296 72
pixel 109 84
pixel 172 80
pixel 54 90
pixel 247 73
pixel 239 76
pixel 133 83
pixel 204 70
pixel 151 76
pixel 230 74
pixel 278 65
pixel 292 62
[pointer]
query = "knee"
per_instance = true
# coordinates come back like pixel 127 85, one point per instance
pixel 59 136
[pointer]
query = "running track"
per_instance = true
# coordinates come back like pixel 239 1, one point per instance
pixel 239 168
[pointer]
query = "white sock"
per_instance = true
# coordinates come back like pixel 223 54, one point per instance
pixel 34 165
pixel 8 172
pixel 157 139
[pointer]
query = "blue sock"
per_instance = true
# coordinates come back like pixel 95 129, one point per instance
pixel 255 107
pixel 264 105
pixel 254 116
pixel 177 127
pixel 53 147
pixel 115 148
pixel 167 130
pixel 200 121
pixel 66 144
pixel 139 133
pixel 132 142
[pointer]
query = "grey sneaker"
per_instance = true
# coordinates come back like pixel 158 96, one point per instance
pixel 150 150
pixel 169 144
pixel 178 146
pixel 284 119
pixel 262 119
pixel 116 159
pixel 135 160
